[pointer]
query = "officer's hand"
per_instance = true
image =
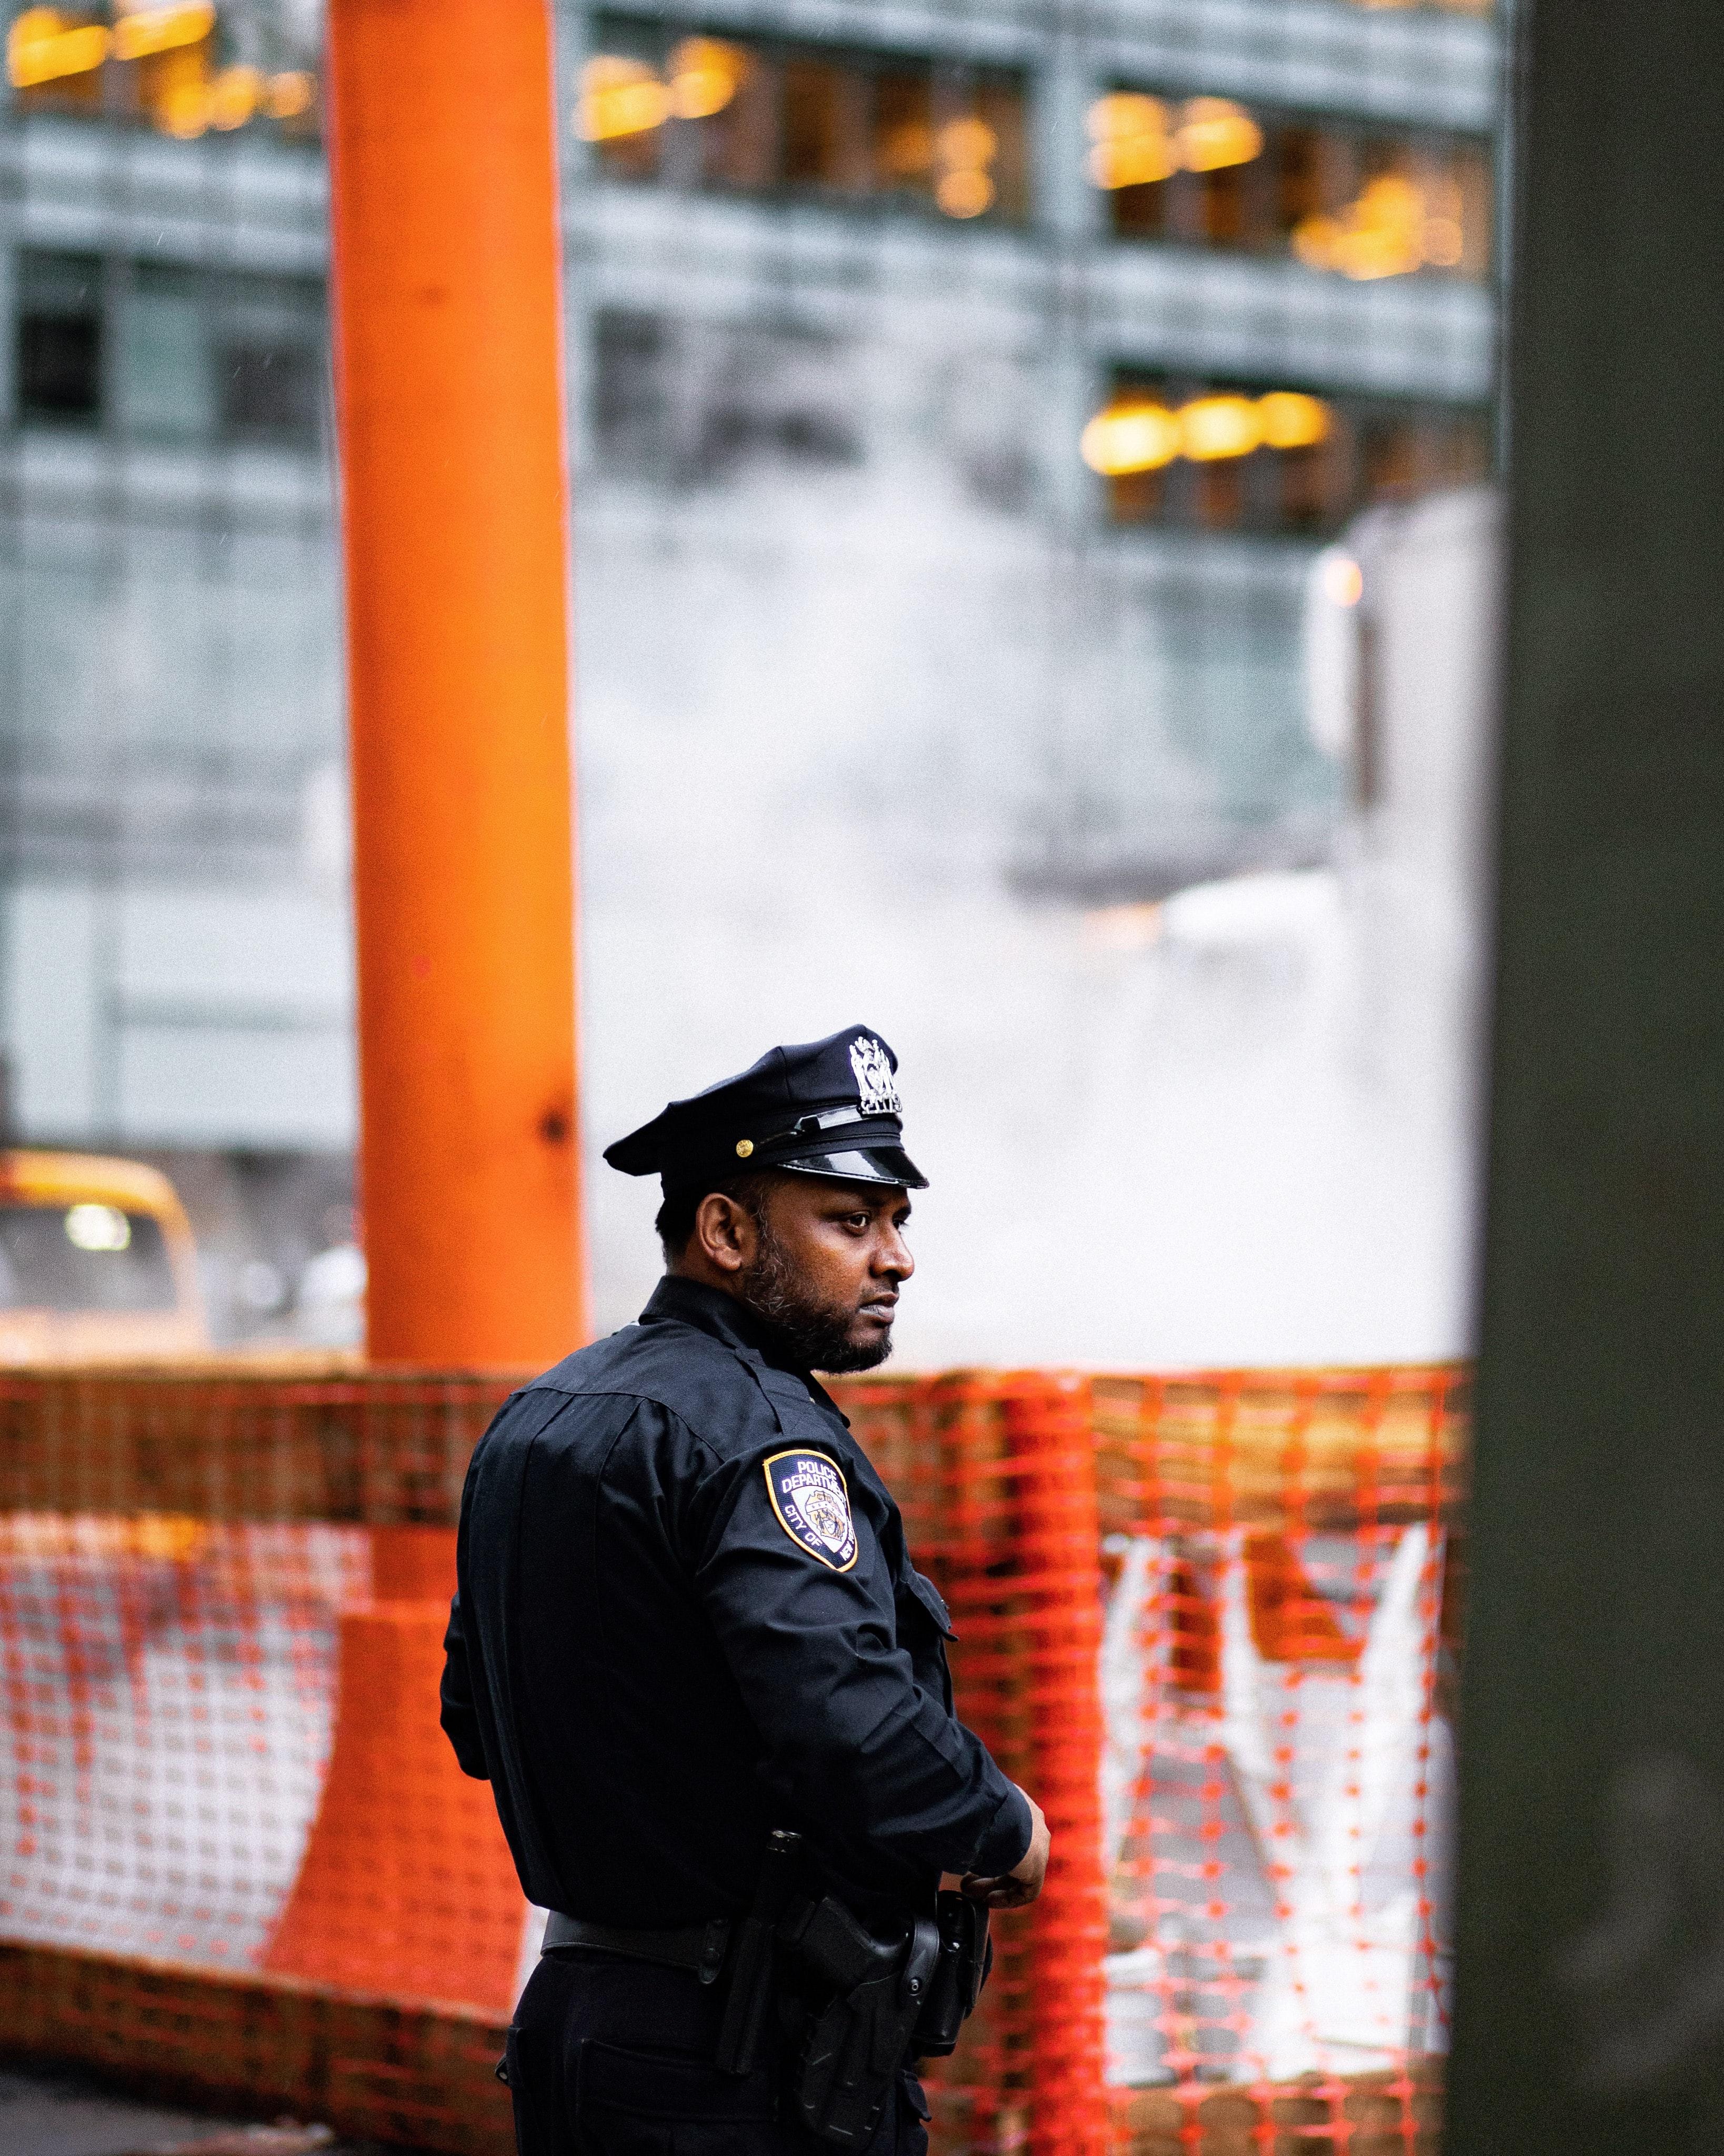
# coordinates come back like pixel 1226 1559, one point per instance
pixel 1020 1885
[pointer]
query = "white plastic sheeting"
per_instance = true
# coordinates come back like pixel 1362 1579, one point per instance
pixel 1278 1837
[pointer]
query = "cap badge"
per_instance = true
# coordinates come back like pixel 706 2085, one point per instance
pixel 879 1096
pixel 744 1147
pixel 813 1506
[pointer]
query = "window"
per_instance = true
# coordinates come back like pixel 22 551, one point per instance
pixel 165 353
pixel 708 111
pixel 163 368
pixel 693 403
pixel 1359 201
pixel 82 1257
pixel 167 65
pixel 59 338
pixel 267 339
pixel 1228 457
pixel 271 392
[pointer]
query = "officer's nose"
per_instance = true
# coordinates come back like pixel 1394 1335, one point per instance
pixel 893 1254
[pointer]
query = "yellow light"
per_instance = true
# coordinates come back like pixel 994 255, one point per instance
pixel 1344 580
pixel 966 192
pixel 1136 435
pixel 42 47
pixel 1214 131
pixel 233 97
pixel 286 96
pixel 1381 234
pixel 142 31
pixel 1215 427
pixel 1123 114
pixel 1132 436
pixel 1133 164
pixel 1289 420
pixel 184 110
pixel 619 96
pixel 1132 147
pixel 966 143
pixel 705 73
pixel 1316 239
pixel 965 147
pixel 1391 200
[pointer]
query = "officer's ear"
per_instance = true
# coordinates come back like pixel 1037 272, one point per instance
pixel 725 1232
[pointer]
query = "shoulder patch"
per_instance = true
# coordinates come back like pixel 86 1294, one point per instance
pixel 813 1506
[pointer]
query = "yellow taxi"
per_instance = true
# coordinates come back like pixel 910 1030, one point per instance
pixel 97 1263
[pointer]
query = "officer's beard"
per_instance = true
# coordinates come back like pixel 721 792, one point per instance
pixel 816 1335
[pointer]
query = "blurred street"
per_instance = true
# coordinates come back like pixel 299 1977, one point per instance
pixel 44 2112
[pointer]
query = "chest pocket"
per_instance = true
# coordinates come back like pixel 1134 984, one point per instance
pixel 910 1586
pixel 923 1627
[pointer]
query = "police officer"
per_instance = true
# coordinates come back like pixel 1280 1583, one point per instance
pixel 687 1618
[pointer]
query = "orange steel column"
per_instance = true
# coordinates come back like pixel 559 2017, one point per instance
pixel 448 378
pixel 1052 1433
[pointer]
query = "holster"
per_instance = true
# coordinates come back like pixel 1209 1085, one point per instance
pixel 879 1998
pixel 966 1957
pixel 849 2064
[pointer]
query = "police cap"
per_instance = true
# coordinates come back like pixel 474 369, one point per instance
pixel 828 1107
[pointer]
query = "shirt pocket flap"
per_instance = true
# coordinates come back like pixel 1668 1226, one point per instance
pixel 928 1595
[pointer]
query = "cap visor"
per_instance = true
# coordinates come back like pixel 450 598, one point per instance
pixel 888 1164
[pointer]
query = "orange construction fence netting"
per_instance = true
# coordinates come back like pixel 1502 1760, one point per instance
pixel 1210 1620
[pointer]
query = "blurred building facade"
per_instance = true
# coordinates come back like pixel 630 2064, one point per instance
pixel 959 396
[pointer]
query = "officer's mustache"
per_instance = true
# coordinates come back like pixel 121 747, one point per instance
pixel 817 1334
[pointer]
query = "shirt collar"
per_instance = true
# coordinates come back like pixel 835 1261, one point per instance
pixel 711 1311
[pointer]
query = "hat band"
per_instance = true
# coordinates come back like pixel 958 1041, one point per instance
pixel 813 1127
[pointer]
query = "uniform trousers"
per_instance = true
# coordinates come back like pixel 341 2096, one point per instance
pixel 613 2058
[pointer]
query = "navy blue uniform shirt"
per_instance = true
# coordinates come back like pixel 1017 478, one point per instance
pixel 685 1616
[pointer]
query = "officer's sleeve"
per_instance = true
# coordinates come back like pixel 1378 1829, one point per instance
pixel 851 1736
pixel 458 1717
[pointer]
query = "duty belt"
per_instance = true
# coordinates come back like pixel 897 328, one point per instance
pixel 699 1946
pixel 883 1997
